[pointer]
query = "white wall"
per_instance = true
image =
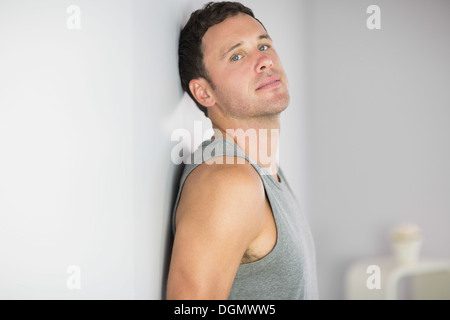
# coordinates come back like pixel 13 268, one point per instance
pixel 86 118
pixel 379 115
pixel 66 164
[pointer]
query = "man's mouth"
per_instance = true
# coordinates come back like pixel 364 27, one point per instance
pixel 270 82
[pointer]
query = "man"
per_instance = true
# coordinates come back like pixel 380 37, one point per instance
pixel 238 231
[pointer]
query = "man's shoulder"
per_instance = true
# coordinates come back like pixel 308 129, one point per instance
pixel 224 198
pixel 223 190
pixel 225 172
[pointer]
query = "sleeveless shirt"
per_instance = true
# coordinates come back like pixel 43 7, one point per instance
pixel 288 271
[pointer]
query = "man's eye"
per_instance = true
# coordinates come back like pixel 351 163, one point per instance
pixel 236 57
pixel 264 48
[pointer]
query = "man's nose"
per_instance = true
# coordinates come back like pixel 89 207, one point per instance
pixel 263 63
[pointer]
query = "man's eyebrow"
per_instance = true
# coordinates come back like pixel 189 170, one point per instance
pixel 264 36
pixel 261 37
pixel 231 49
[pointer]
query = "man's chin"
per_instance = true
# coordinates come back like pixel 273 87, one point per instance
pixel 274 109
pixel 279 104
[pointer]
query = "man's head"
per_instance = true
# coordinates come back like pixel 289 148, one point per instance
pixel 227 62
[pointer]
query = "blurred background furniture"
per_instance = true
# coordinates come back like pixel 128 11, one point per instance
pixel 425 279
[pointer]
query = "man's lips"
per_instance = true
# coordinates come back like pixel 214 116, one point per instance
pixel 270 82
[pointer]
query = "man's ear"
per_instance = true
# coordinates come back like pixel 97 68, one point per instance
pixel 202 92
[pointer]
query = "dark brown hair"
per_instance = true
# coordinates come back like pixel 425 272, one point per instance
pixel 190 52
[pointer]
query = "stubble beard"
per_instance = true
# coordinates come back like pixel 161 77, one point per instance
pixel 262 109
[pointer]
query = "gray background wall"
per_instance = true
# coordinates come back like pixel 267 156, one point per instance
pixel 86 118
pixel 379 112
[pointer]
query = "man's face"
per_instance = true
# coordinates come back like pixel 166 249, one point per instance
pixel 249 81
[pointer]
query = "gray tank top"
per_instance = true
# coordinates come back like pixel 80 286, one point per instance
pixel 289 270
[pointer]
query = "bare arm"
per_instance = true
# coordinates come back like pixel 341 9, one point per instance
pixel 218 216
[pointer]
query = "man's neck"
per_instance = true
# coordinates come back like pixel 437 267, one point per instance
pixel 259 139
